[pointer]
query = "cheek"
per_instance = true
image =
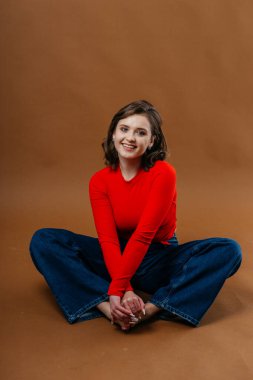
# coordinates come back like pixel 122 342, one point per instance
pixel 118 140
pixel 117 143
pixel 118 136
pixel 145 143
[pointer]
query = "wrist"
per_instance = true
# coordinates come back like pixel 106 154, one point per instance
pixel 129 291
pixel 114 296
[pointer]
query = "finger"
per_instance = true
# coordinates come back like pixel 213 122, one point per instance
pixel 141 306
pixel 122 320
pixel 131 318
pixel 123 310
pixel 118 314
pixel 127 301
pixel 131 304
pixel 124 303
pixel 132 307
pixel 137 305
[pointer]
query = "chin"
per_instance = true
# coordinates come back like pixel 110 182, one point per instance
pixel 130 157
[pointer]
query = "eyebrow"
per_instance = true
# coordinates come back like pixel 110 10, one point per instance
pixel 140 128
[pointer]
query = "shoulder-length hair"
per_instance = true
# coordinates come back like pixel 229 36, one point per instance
pixel 158 151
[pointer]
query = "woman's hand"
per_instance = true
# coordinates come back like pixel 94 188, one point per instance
pixel 133 303
pixel 119 313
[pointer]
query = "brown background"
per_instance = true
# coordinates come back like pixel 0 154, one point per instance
pixel 66 67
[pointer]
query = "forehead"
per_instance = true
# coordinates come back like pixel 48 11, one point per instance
pixel 136 121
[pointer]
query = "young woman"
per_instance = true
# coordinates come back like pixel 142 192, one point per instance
pixel 134 207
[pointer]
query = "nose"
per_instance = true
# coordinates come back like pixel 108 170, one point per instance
pixel 130 136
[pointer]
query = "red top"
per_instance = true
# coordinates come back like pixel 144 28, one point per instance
pixel 142 210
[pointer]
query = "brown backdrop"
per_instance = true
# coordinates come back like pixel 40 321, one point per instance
pixel 66 67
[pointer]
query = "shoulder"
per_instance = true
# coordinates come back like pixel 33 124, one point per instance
pixel 101 176
pixel 163 167
pixel 162 175
pixel 101 173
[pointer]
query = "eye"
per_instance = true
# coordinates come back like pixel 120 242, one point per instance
pixel 123 129
pixel 142 133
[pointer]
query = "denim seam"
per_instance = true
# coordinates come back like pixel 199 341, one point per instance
pixel 193 252
pixel 92 316
pixel 82 310
pixel 173 310
pixel 176 283
pixel 164 303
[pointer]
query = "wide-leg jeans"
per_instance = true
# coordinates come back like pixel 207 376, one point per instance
pixel 182 279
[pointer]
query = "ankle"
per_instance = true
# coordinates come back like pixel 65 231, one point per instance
pixel 104 307
pixel 151 309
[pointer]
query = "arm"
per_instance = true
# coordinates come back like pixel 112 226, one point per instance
pixel 159 202
pixel 105 226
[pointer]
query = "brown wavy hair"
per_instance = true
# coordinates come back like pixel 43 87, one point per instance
pixel 158 151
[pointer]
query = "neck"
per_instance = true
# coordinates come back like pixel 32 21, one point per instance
pixel 129 167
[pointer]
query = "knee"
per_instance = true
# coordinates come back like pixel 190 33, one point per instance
pixel 225 253
pixel 40 245
pixel 35 246
pixel 235 249
pixel 40 236
pixel 226 249
pixel 228 255
pixel 235 252
pixel 40 239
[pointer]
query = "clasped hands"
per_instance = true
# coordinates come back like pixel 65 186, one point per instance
pixel 128 310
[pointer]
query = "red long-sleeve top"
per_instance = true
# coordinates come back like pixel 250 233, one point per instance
pixel 141 210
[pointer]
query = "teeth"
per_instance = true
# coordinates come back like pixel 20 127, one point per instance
pixel 129 146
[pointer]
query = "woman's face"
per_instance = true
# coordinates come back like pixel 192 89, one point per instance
pixel 132 136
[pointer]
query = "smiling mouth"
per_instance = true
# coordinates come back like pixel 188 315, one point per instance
pixel 129 146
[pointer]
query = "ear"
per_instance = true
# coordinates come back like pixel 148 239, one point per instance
pixel 151 142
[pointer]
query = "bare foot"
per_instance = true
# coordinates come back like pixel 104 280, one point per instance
pixel 104 307
pixel 150 311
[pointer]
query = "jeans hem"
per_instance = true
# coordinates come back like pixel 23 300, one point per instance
pixel 92 315
pixel 80 313
pixel 177 312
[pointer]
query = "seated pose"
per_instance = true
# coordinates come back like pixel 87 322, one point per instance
pixel 133 201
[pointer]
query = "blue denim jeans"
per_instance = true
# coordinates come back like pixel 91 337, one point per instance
pixel 182 279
